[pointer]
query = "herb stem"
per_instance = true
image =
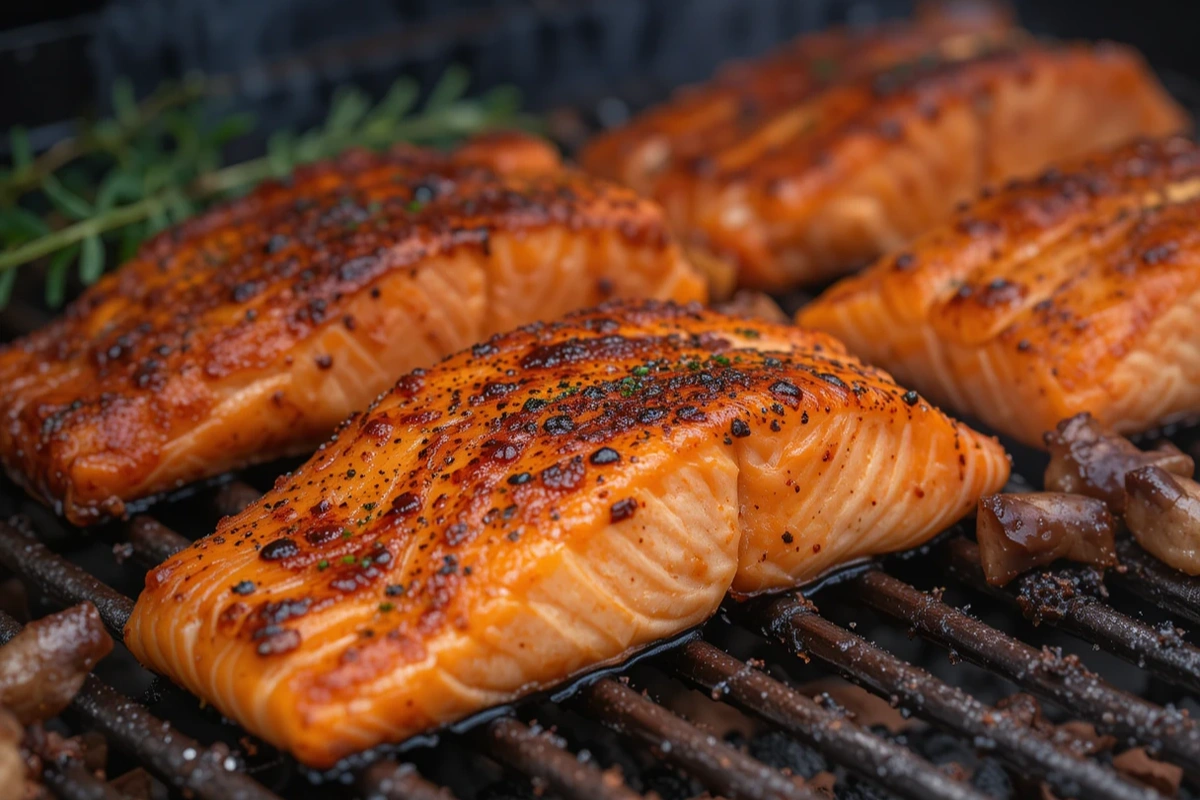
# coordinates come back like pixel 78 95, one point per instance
pixel 64 237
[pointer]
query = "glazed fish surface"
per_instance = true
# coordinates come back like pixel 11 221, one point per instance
pixel 846 146
pixel 546 502
pixel 1076 291
pixel 252 331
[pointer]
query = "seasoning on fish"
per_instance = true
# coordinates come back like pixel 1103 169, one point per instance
pixel 546 502
pixel 847 145
pixel 1075 291
pixel 251 331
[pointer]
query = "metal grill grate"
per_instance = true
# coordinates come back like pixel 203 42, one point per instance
pixel 213 771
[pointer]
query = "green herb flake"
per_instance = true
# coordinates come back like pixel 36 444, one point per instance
pixel 386 607
pixel 347 533
pixel 641 371
pixel 629 386
pixel 825 68
pixel 720 359
pixel 749 333
pixel 350 559
pixel 323 564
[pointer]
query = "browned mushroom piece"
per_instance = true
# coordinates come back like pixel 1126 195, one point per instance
pixel 1159 775
pixel 1090 459
pixel 12 765
pixel 1163 512
pixel 44 665
pixel 1017 532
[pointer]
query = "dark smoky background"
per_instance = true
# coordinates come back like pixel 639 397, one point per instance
pixel 283 58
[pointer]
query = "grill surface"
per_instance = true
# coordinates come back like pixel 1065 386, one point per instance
pixel 213 770
pixel 1038 635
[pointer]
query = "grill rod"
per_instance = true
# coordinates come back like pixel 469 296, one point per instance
pixel 538 755
pixel 1153 580
pixel 724 769
pixel 68 779
pixel 794 622
pixel 877 759
pixel 1164 653
pixel 181 761
pixel 1062 680
pixel 389 780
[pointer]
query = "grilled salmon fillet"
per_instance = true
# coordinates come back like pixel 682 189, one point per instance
pixel 842 148
pixel 543 503
pixel 252 331
pixel 1076 291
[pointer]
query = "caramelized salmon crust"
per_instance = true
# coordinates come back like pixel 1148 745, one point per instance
pixel 1076 291
pixel 546 502
pixel 846 145
pixel 251 331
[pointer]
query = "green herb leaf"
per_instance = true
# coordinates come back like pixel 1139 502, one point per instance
pixel 452 86
pixel 66 201
pixel 118 185
pixel 399 100
pixel 349 107
pixel 124 104
pixel 132 237
pixel 8 278
pixel 502 102
pixel 178 206
pixel 157 219
pixel 18 225
pixel 22 152
pixel 280 152
pixel 91 260
pixel 232 127
pixel 56 275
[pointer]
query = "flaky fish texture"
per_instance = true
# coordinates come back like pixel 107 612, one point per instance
pixel 546 502
pixel 1076 291
pixel 251 331
pixel 845 145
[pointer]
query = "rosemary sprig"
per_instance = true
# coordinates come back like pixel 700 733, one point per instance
pixel 110 135
pixel 157 163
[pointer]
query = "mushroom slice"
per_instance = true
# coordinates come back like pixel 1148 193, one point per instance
pixel 44 666
pixel 1163 512
pixel 1088 458
pixel 1017 532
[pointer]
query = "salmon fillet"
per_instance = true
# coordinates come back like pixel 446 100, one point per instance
pixel 546 502
pixel 1076 291
pixel 252 331
pixel 703 119
pixel 868 146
